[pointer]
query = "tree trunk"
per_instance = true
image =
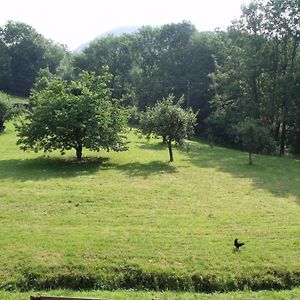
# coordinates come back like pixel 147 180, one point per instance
pixel 79 152
pixel 282 138
pixel 164 139
pixel 1 126
pixel 276 134
pixel 250 158
pixel 170 151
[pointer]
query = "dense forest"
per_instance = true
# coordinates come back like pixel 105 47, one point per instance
pixel 244 81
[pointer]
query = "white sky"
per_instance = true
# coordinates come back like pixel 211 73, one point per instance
pixel 73 22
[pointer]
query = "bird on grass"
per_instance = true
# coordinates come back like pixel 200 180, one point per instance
pixel 237 244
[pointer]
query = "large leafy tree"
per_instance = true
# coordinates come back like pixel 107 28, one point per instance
pixel 170 121
pixel 23 51
pixel 73 116
pixel 174 57
pixel 161 64
pixel 199 63
pixel 146 80
pixel 112 51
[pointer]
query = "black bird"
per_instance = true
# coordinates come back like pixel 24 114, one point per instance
pixel 237 244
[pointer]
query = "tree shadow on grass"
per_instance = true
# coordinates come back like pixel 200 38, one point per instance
pixel 146 170
pixel 152 146
pixel 43 168
pixel 279 176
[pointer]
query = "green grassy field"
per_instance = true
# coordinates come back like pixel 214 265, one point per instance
pixel 132 220
pixel 12 99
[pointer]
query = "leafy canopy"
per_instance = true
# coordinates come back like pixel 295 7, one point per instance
pixel 74 115
pixel 23 51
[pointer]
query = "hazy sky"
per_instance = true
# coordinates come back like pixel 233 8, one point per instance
pixel 73 22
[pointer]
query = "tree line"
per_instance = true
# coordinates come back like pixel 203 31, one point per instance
pixel 244 81
pixel 23 52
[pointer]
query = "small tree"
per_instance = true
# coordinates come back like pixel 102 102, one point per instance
pixel 254 137
pixel 170 121
pixel 74 115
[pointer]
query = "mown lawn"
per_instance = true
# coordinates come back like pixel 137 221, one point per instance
pixel 133 220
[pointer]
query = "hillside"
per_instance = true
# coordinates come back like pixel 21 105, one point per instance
pixel 116 32
pixel 132 220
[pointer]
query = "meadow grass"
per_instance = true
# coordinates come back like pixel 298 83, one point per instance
pixel 12 99
pixel 133 220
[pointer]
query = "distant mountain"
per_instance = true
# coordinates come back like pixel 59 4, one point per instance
pixel 116 32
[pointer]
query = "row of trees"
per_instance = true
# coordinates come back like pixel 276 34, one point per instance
pixel 23 52
pixel 249 74
pixel 154 62
pixel 245 82
pixel 82 114
pixel 258 75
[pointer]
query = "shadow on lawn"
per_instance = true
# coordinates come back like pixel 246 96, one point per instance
pixel 146 169
pixel 152 146
pixel 280 176
pixel 43 168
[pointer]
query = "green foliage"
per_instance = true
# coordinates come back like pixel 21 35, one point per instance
pixel 155 62
pixel 169 120
pixel 254 137
pixel 74 115
pixel 175 59
pixel 257 71
pixel 23 52
pixel 4 114
pixel 251 70
pixel 43 79
pixel 134 115
pixel 7 110
pixel 111 51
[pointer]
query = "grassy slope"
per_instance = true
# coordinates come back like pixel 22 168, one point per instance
pixel 12 99
pixel 133 213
